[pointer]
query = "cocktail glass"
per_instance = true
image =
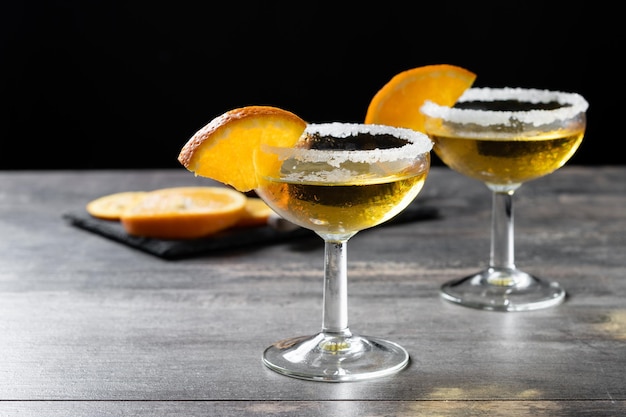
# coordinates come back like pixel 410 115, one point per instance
pixel 341 178
pixel 505 137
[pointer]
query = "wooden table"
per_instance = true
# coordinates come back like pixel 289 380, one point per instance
pixel 91 327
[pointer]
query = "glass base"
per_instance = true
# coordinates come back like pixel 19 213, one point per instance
pixel 335 357
pixel 503 289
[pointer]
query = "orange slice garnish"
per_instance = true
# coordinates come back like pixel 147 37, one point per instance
pixel 223 150
pixel 398 102
pixel 184 212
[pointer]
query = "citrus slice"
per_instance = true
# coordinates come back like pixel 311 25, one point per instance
pixel 111 207
pixel 184 212
pixel 398 102
pixel 256 213
pixel 224 149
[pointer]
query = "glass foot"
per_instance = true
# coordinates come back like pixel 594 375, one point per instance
pixel 335 357
pixel 503 290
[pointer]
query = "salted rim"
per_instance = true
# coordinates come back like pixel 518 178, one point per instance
pixel 489 117
pixel 419 144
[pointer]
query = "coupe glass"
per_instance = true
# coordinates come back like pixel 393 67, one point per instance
pixel 505 137
pixel 339 179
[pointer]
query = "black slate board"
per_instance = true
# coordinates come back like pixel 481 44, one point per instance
pixel 231 239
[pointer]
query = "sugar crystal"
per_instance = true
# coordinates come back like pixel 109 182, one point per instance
pixel 571 104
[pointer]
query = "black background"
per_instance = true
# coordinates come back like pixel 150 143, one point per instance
pixel 124 84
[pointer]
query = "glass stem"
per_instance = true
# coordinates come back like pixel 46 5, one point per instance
pixel 502 236
pixel 335 314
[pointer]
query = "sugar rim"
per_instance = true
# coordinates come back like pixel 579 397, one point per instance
pixel 418 144
pixel 577 105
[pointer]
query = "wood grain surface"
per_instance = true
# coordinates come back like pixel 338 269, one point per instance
pixel 89 326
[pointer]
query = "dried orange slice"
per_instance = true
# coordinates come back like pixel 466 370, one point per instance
pixel 398 102
pixel 224 149
pixel 111 207
pixel 184 212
